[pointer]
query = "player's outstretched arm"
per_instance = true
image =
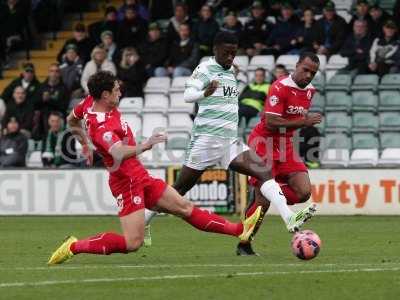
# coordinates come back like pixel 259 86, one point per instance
pixel 75 125
pixel 193 94
pixel 120 152
pixel 275 122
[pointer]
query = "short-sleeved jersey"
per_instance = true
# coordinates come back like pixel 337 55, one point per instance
pixel 105 131
pixel 218 113
pixel 287 100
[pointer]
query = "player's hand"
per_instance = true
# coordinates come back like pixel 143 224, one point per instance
pixel 312 118
pixel 153 140
pixel 212 87
pixel 88 154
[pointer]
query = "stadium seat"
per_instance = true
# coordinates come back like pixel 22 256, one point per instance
pixel 365 122
pixel 319 82
pixel 365 153
pixel 336 151
pixel 35 160
pixel 178 104
pixel 337 122
pixel 389 121
pixel 262 61
pixel 322 62
pixel 387 5
pixel 390 145
pixel 345 14
pixel 158 85
pixel 389 101
pixel 390 82
pixel 338 101
pixel 205 58
pixel 131 105
pixel 365 83
pixel 178 84
pixel 335 63
pixel 180 120
pixel 242 61
pixel 389 139
pixel 339 82
pixel 318 103
pixel 174 152
pixel 364 101
pixel 153 122
pixel 289 61
pixel 135 123
pixel 343 5
pixel 242 77
pixel 155 102
pixel 251 74
pixel 321 126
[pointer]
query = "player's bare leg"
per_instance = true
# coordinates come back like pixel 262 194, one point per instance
pixel 187 179
pixel 248 163
pixel 172 202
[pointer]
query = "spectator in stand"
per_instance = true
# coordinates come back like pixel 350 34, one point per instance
pixel 154 50
pixel 283 33
pixel 205 30
pixel 233 25
pixel 356 48
pixel 362 13
pixel 140 8
pixel 279 71
pixel 22 109
pixel 132 30
pixel 180 17
pixel 107 42
pixel 109 23
pixel 98 62
pixel 52 95
pixel 59 144
pixel 306 32
pixel 183 55
pixel 13 145
pixel 256 30
pixel 383 50
pixel 251 100
pixel 27 80
pixel 71 71
pixel 396 13
pixel 82 43
pixel 132 73
pixel 378 19
pixel 331 31
pixel 161 9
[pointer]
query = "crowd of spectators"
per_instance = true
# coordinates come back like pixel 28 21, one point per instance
pixel 137 41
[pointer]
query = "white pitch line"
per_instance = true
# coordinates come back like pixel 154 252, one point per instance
pixel 178 266
pixel 188 276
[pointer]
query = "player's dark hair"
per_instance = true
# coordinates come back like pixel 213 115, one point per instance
pixel 312 56
pixel 100 82
pixel 224 37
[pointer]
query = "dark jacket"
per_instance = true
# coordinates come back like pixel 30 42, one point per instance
pixel 307 35
pixel 13 149
pixel 332 38
pixel 97 28
pixel 154 53
pixel 23 112
pixel 71 74
pixel 30 90
pixel 350 46
pixel 283 33
pixel 84 49
pixel 185 56
pixel 173 29
pixel 58 98
pixel 236 30
pixel 256 31
pixel 131 33
pixel 59 148
pixel 133 79
pixel 377 25
pixel 204 33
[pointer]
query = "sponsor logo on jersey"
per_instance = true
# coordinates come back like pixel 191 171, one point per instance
pixel 296 110
pixel 137 200
pixel 107 137
pixel 309 94
pixel 273 100
pixel 230 91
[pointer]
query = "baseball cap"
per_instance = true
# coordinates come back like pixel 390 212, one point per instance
pixel 154 26
pixel 330 5
pixel 28 67
pixel 110 9
pixel 80 27
pixel 362 2
pixel 231 13
pixel 106 33
pixel 287 5
pixel 257 4
pixel 71 47
pixel 390 24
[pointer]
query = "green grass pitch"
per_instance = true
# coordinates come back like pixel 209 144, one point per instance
pixel 359 259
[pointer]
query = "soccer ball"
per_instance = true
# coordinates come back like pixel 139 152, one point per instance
pixel 306 244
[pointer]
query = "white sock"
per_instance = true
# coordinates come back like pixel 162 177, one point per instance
pixel 272 191
pixel 148 215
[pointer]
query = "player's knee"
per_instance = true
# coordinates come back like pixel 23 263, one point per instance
pixel 180 189
pixel 304 195
pixel 264 175
pixel 133 243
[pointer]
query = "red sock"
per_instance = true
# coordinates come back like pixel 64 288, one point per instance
pixel 103 243
pixel 290 195
pixel 251 209
pixel 210 222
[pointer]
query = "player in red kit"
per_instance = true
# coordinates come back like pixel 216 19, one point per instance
pixel 285 110
pixel 131 185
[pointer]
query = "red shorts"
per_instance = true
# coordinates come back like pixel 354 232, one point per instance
pixel 133 196
pixel 284 158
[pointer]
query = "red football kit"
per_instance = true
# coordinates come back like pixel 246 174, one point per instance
pixel 129 181
pixel 287 100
